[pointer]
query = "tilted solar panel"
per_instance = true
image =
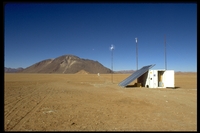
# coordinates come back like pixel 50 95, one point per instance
pixel 135 75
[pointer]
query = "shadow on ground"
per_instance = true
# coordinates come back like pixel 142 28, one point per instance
pixel 132 86
pixel 176 87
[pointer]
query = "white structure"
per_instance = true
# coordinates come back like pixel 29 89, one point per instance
pixel 157 79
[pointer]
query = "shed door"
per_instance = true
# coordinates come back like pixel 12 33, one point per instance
pixel 160 78
pixel 169 78
pixel 153 79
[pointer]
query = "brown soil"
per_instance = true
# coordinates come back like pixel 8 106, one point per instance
pixel 88 102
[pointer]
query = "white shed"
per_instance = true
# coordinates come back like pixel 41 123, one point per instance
pixel 151 78
pixel 157 79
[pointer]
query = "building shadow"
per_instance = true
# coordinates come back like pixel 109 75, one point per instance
pixel 135 85
pixel 132 86
pixel 176 87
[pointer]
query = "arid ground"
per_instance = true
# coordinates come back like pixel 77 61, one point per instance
pixel 88 102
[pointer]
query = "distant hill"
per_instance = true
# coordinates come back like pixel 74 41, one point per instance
pixel 124 71
pixel 12 70
pixel 82 72
pixel 67 64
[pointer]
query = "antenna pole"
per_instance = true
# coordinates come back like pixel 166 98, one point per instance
pixel 136 54
pixel 112 48
pixel 165 53
pixel 112 65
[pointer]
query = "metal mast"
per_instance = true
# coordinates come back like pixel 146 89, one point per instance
pixel 136 53
pixel 112 48
pixel 112 64
pixel 165 53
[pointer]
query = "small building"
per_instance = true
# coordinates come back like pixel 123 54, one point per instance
pixel 157 79
pixel 151 78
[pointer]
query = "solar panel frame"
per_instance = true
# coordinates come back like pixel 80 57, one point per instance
pixel 135 75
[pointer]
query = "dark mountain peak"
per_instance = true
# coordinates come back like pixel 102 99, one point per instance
pixel 68 56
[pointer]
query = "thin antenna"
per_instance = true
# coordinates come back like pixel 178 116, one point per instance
pixel 112 48
pixel 165 53
pixel 136 53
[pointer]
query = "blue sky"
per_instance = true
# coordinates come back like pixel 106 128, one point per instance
pixel 37 31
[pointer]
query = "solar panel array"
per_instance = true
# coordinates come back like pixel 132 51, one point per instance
pixel 135 75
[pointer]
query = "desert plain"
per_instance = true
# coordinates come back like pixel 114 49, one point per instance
pixel 88 102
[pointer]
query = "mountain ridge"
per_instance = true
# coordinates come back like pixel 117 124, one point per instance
pixel 66 64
